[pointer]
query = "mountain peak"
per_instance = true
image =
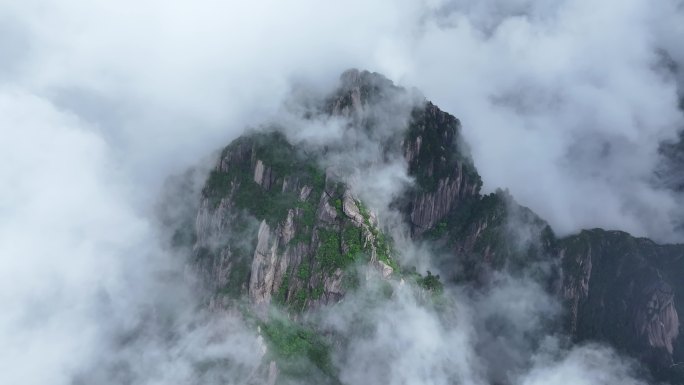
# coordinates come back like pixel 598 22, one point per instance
pixel 354 78
pixel 299 235
pixel 358 89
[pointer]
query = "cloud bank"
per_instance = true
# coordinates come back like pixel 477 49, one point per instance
pixel 565 104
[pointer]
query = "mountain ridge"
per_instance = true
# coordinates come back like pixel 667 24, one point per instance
pixel 311 230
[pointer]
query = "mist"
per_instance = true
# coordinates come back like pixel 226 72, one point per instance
pixel 565 105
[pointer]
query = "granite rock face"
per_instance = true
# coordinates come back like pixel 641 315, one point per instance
pixel 445 176
pixel 624 290
pixel 277 228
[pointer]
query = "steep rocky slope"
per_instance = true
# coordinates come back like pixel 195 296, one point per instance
pixel 626 291
pixel 275 226
pixel 272 225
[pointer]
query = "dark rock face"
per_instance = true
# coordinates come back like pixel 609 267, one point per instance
pixel 617 290
pixel 433 149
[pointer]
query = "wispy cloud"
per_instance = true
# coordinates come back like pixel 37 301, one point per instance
pixel 564 104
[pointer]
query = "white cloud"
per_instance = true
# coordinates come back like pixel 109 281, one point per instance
pixel 101 101
pixel 62 232
pixel 590 364
pixel 563 104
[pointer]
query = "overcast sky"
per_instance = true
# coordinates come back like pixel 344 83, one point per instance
pixel 564 103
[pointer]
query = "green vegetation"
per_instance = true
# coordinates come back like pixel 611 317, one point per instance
pixel 271 205
pixel 383 243
pixel 352 237
pixel 339 247
pixel 238 276
pixel 300 298
pixel 439 231
pixel 384 249
pixel 297 301
pixel 307 208
pixel 285 162
pixel 317 292
pixel 329 252
pixel 281 296
pixel 338 205
pixel 298 350
pixel 217 187
pixel 306 218
pixel 304 272
pixel 430 283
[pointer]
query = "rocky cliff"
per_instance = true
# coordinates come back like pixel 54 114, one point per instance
pixel 277 227
pixel 626 291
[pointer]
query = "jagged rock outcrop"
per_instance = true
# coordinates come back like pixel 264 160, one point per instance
pixel 300 209
pixel 274 226
pixel 431 143
pixel 623 290
pixel 434 151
